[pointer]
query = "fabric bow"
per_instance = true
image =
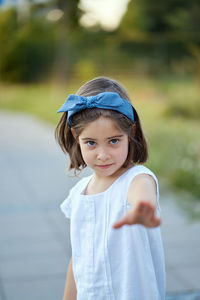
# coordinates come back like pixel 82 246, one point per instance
pixel 106 100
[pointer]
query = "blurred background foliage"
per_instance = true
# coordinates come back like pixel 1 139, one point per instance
pixel 152 37
pixel 46 53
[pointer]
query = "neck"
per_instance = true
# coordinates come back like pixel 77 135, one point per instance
pixel 99 184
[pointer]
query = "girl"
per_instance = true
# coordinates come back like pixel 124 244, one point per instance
pixel 101 129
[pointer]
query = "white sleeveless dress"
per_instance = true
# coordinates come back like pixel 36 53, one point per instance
pixel 113 264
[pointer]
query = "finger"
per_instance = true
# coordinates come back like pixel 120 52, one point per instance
pixel 119 224
pixel 128 219
pixel 151 223
pixel 122 221
pixel 151 220
pixel 155 222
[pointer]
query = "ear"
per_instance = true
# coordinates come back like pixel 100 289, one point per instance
pixel 73 133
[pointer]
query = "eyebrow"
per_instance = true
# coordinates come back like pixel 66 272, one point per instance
pixel 111 137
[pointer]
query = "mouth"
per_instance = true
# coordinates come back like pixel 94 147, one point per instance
pixel 104 166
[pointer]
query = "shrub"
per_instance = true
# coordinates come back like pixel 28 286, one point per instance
pixel 28 50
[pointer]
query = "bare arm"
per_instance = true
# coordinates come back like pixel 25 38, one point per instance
pixel 70 286
pixel 143 187
pixel 142 197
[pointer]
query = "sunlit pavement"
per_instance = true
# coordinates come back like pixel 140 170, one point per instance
pixel 182 249
pixel 34 234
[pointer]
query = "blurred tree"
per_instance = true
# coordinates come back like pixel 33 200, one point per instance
pixel 71 12
pixel 195 51
pixel 160 31
pixel 28 49
pixel 163 17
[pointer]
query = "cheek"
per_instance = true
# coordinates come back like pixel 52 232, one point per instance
pixel 123 152
pixel 87 157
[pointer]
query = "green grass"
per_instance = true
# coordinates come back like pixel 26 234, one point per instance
pixel 169 109
pixel 42 100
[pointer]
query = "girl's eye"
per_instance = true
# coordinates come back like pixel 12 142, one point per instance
pixel 114 141
pixel 90 143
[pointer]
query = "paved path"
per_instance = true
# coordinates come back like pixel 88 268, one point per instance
pixel 34 234
pixel 181 239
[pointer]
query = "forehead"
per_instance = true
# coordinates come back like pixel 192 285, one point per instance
pixel 101 128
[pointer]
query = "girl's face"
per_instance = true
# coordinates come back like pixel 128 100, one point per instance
pixel 104 147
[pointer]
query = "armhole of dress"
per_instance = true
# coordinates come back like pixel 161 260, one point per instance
pixel 144 170
pixel 66 205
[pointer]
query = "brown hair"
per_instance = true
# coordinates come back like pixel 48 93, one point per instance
pixel 138 151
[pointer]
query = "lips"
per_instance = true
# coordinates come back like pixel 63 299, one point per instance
pixel 104 166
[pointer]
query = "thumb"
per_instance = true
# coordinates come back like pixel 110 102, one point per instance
pixel 120 223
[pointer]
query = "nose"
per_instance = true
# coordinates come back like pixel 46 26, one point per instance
pixel 103 155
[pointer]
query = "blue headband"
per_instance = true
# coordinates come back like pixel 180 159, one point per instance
pixel 106 100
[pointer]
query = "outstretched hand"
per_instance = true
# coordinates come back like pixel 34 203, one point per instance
pixel 143 213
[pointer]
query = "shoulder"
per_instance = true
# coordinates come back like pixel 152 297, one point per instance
pixel 143 181
pixel 141 172
pixel 145 175
pixel 143 184
pixel 79 185
pixel 139 175
pixel 144 178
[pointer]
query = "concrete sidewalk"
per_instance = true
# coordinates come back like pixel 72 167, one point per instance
pixel 34 234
